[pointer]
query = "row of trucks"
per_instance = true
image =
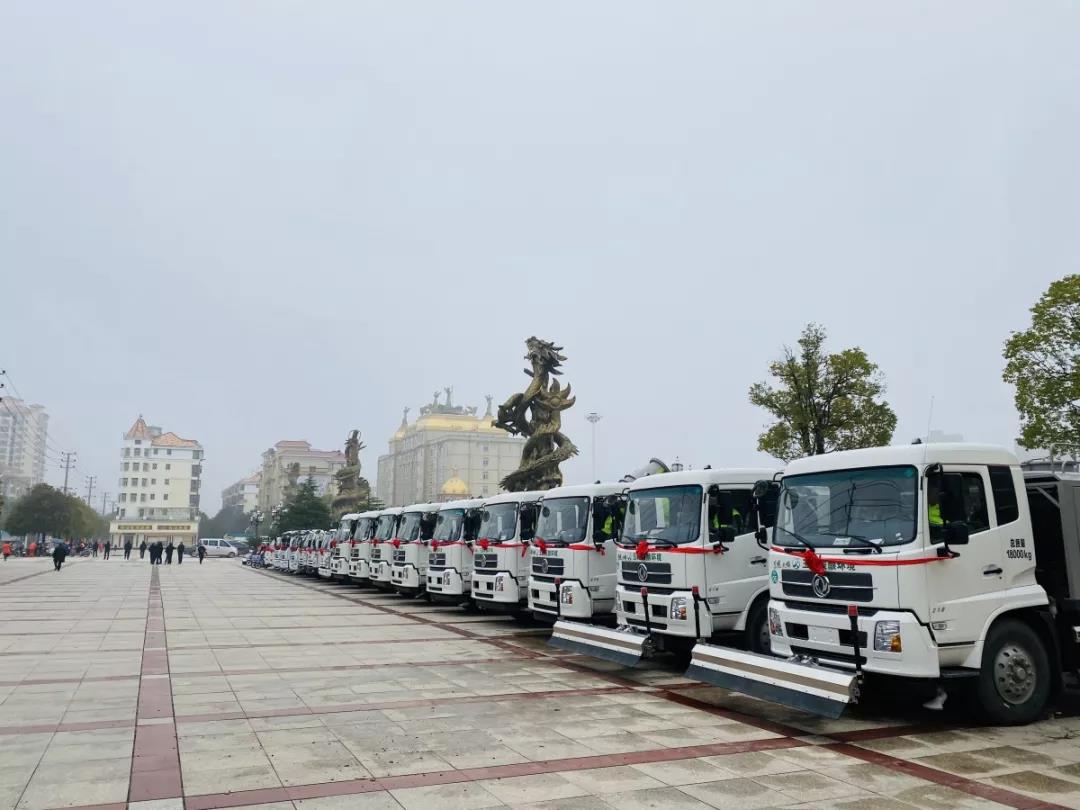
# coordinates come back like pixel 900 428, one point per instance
pixel 301 552
pixel 941 569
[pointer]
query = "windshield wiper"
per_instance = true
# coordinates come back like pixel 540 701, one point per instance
pixel 866 541
pixel 645 536
pixel 799 538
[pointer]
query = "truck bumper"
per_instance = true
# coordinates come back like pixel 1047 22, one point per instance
pixel 447 582
pixel 577 601
pixel 630 609
pixel 407 578
pixel 623 646
pixel 380 573
pixel 497 589
pixel 826 637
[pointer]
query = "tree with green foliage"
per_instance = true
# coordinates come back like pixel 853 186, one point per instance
pixel 823 402
pixel 1043 363
pixel 304 509
pixel 47 510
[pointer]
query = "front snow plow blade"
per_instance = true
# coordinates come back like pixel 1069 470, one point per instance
pixel 797 683
pixel 618 646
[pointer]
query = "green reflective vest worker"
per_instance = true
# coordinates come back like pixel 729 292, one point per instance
pixel 934 512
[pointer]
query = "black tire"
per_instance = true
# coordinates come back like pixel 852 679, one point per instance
pixel 756 632
pixel 232 554
pixel 1014 683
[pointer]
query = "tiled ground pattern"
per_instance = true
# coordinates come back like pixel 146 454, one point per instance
pixel 216 686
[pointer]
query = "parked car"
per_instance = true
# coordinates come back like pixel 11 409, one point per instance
pixel 217 547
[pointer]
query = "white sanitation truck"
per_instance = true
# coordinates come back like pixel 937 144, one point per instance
pixel 574 549
pixel 339 555
pixel 381 561
pixel 501 552
pixel 408 574
pixel 572 572
pixel 450 566
pixel 688 569
pixel 939 566
pixel 359 565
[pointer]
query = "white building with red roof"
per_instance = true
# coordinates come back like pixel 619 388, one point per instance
pixel 158 489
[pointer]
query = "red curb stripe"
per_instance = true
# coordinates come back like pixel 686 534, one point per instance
pixel 155 763
pixel 345 788
pixel 928 774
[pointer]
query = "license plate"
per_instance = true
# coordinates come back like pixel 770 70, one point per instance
pixel 824 635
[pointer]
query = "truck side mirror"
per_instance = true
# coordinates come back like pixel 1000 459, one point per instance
pixel 762 537
pixel 957 534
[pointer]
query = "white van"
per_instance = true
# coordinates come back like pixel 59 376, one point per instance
pixel 218 547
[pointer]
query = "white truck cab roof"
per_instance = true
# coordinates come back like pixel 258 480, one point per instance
pixel 584 491
pixel 742 476
pixel 422 507
pixel 393 510
pixel 514 497
pixel 469 503
pixel 903 454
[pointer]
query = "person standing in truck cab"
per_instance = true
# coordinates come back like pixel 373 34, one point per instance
pixel 933 508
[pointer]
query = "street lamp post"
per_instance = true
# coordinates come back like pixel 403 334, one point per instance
pixel 256 519
pixel 593 418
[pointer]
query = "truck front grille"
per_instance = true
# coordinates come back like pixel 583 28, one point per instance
pixel 399 555
pixel 486 561
pixel 438 560
pixel 645 572
pixel 548 566
pixel 843 586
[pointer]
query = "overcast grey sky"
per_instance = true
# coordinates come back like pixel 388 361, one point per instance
pixel 255 221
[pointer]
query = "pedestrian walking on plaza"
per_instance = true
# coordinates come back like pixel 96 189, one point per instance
pixel 155 553
pixel 59 553
pixel 33 548
pixel 180 553
pixel 107 547
pixel 142 549
pixel 127 549
pixel 6 551
pixel 169 549
pixel 93 548
pixel 202 553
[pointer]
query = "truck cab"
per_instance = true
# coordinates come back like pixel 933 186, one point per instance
pixel 572 567
pixel 359 565
pixel 293 556
pixel 339 560
pixel 941 564
pixel 688 569
pixel 381 550
pixel 501 551
pixel 408 574
pixel 327 546
pixel 450 565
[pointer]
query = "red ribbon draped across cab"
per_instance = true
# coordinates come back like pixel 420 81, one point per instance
pixel 817 564
pixel 484 543
pixel 540 544
pixel 643 548
pixel 396 542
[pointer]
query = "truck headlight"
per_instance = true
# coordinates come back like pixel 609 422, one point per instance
pixel 566 595
pixel 500 582
pixel 776 628
pixel 678 608
pixel 887 637
pixel 618 602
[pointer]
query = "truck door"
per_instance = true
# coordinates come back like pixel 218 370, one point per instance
pixel 734 576
pixel 963 592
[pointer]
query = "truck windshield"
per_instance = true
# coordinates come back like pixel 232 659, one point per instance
pixel 409 528
pixel 563 520
pixel 448 524
pixel 499 522
pixel 344 531
pixel 670 514
pixel 364 529
pixel 385 529
pixel 839 508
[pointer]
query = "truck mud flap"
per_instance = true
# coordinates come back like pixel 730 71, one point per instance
pixel 619 647
pixel 798 684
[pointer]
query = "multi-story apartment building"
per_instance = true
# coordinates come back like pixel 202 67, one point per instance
pixel 243 495
pixel 23 432
pixel 448 451
pixel 158 490
pixel 318 465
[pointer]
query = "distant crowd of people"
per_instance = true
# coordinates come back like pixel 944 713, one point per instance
pixel 61 550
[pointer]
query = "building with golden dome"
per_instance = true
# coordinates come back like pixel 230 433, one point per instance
pixel 447 453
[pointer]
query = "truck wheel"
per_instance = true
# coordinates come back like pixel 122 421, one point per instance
pixel 1014 682
pixel 757 628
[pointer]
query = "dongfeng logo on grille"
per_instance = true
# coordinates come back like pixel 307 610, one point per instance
pixel 821 586
pixel 643 572
pixel 543 565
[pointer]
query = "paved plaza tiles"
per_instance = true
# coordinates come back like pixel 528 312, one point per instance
pixel 217 686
